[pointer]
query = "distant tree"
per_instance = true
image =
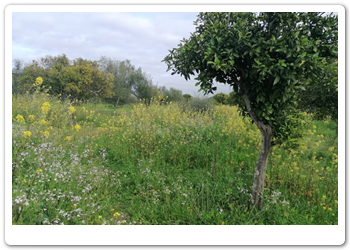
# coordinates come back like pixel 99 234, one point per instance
pixel 187 97
pixel 24 81
pixel 268 58
pixel 128 81
pixel 221 98
pixel 77 79
pixel 49 62
pixel 83 80
pixel 141 86
pixel 172 94
pixel 17 71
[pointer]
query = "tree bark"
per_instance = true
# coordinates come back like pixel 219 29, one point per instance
pixel 261 163
pixel 116 105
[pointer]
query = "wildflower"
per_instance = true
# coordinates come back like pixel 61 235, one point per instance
pixel 71 110
pixel 284 202
pixel 27 134
pixel 116 214
pixel 324 197
pixel 39 170
pixel 336 202
pixel 330 149
pixel 45 107
pixel 43 122
pixel 46 134
pixel 77 127
pixel 330 209
pixel 19 119
pixel 39 80
pixel 100 217
pixel 31 117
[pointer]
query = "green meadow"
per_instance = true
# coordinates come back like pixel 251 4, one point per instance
pixel 163 164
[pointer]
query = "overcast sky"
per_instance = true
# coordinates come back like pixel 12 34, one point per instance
pixel 143 38
pixel 142 34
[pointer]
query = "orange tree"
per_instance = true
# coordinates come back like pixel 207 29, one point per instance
pixel 268 59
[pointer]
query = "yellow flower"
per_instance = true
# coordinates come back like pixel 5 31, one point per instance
pixel 31 117
pixel 68 138
pixel 45 107
pixel 19 119
pixel 100 217
pixel 336 202
pixel 77 127
pixel 39 170
pixel 46 134
pixel 43 122
pixel 27 134
pixel 330 149
pixel 39 80
pixel 116 214
pixel 71 110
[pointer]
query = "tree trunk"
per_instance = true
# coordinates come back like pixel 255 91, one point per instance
pixel 116 105
pixel 261 163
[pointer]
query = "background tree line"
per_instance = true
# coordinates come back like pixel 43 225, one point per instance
pixel 108 80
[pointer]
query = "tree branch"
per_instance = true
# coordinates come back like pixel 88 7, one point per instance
pixel 249 109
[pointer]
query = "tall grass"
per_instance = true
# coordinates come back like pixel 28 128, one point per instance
pixel 163 164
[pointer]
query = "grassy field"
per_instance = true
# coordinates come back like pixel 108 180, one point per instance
pixel 163 164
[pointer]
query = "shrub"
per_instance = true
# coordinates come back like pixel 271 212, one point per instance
pixel 200 104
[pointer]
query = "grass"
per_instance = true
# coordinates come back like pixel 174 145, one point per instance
pixel 163 165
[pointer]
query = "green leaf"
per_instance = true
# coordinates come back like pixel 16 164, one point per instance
pixel 302 55
pixel 257 61
pixel 235 54
pixel 277 79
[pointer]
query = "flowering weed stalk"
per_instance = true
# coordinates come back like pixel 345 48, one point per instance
pixel 162 163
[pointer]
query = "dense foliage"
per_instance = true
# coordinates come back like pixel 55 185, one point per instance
pixel 268 59
pixel 110 80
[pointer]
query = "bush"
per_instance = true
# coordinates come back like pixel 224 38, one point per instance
pixel 200 104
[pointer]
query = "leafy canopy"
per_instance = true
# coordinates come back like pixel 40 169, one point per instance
pixel 267 57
